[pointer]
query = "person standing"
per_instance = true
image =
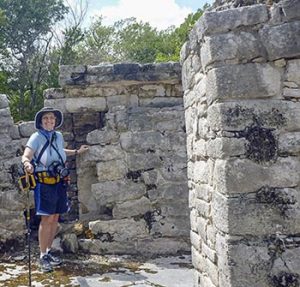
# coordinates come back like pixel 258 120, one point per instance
pixel 45 157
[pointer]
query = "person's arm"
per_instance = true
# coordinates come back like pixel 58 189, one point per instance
pixel 82 149
pixel 26 159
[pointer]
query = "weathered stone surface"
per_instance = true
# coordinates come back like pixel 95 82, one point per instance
pixel 70 243
pixel 26 129
pixel 262 213
pixel 243 81
pixel 102 137
pixel 121 230
pixel 3 101
pixel 143 141
pixel 225 21
pixel 291 93
pixel 132 208
pixel 292 72
pixel 111 170
pixel 54 93
pixel 238 116
pixel 281 41
pixel 289 143
pixel 107 193
pixel 103 153
pixel 126 73
pixel 122 100
pixel 243 175
pixel 235 47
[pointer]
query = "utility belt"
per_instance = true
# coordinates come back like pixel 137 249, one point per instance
pixel 45 177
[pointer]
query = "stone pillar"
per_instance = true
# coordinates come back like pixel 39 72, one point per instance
pixel 132 184
pixel 241 87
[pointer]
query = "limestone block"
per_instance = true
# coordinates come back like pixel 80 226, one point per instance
pixel 200 172
pixel 191 119
pixel 163 246
pixel 243 82
pixel 121 230
pixel 204 208
pixel 132 208
pixel 142 161
pixel 159 102
pixel 122 100
pixel 228 20
pixel 80 105
pixel 260 214
pixel 110 192
pixel 3 101
pixel 243 175
pixel 6 120
pixel 204 192
pixel 96 246
pixel 26 129
pixel 184 52
pixel 280 40
pixel 144 141
pixel 86 176
pixel 54 103
pixel 146 118
pixel 198 260
pixel 292 71
pixel 71 75
pixel 252 265
pixel 226 147
pixel 174 167
pixel 195 240
pixel 152 90
pixel 175 208
pixel 103 153
pixel 291 93
pixel 239 116
pixel 285 11
pixel 205 281
pixel 289 143
pixel 199 148
pixel 70 243
pixel 102 137
pixel 171 227
pixel 291 259
pixel 234 46
pixel 54 93
pixel 190 67
pixel 160 190
pixel 14 132
pixel 111 170
pixel 194 216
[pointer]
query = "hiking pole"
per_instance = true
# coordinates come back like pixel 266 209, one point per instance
pixel 28 231
pixel 24 183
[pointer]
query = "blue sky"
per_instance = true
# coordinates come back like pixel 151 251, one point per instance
pixel 159 13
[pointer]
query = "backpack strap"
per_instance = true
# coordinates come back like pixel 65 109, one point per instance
pixel 37 161
pixel 45 147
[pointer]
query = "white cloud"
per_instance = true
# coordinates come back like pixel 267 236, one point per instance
pixel 159 13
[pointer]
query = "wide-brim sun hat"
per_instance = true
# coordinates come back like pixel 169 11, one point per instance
pixel 38 117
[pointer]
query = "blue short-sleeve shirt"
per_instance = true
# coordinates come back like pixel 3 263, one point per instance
pixel 37 141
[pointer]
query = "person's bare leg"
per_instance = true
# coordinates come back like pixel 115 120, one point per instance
pixel 54 224
pixel 45 232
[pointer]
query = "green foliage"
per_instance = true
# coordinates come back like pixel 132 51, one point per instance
pixel 26 36
pixel 30 54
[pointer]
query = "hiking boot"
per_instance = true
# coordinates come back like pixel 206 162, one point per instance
pixel 45 264
pixel 53 260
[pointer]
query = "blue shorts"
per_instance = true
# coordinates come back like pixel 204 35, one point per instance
pixel 50 198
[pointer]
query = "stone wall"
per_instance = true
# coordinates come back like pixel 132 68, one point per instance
pixel 131 185
pixel 241 87
pixel 12 202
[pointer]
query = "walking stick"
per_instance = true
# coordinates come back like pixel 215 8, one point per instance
pixel 25 186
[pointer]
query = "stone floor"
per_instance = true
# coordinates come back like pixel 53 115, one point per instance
pixel 93 271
